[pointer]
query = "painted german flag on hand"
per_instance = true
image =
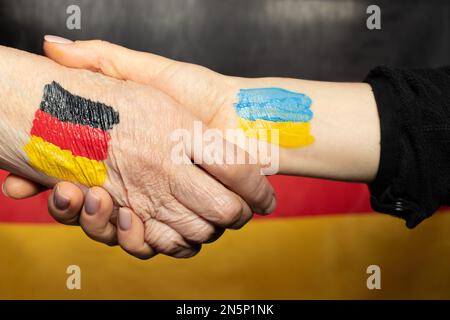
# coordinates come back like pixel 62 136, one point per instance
pixel 69 137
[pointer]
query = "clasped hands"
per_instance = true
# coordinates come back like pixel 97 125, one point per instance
pixel 171 209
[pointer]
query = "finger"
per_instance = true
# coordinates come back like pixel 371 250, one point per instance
pixel 16 187
pixel 246 216
pixel 202 194
pixel 131 235
pixel 244 179
pixel 96 215
pixel 110 59
pixel 217 234
pixel 230 165
pixel 65 203
pixel 189 225
pixel 163 239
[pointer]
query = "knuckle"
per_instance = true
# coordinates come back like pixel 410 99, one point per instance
pixel 217 234
pixel 168 244
pixel 163 240
pixel 260 196
pixel 230 212
pixel 202 234
pixel 172 247
pixel 241 222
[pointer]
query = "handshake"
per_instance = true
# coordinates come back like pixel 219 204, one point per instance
pixel 161 156
pixel 117 136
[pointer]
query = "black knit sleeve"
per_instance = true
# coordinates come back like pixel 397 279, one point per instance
pixel 413 178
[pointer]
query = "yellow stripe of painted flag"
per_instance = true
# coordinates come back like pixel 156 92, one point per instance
pixel 290 134
pixel 62 164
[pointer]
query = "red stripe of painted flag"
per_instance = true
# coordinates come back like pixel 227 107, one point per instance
pixel 81 140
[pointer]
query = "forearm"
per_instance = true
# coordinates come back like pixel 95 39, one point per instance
pixel 24 77
pixel 344 125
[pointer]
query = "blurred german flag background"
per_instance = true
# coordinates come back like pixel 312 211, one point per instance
pixel 317 245
pixel 323 235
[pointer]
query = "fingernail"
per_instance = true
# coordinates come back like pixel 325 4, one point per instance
pixel 4 191
pixel 60 200
pixel 124 219
pixel 56 39
pixel 272 206
pixel 92 203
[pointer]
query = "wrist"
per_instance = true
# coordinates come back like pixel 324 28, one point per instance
pixel 344 126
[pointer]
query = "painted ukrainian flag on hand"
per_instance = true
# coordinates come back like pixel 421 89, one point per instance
pixel 266 113
pixel 69 137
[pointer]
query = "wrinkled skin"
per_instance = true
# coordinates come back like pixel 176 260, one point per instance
pixel 163 194
pixel 180 206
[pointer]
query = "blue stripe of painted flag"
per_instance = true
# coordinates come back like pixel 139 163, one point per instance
pixel 273 104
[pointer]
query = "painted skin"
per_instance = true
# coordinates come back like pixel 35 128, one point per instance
pixel 271 114
pixel 69 137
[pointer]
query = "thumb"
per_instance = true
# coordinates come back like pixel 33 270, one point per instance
pixel 16 187
pixel 110 59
